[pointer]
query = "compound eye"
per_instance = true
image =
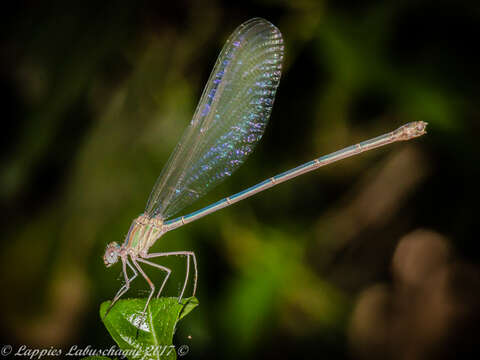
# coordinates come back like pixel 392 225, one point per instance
pixel 112 256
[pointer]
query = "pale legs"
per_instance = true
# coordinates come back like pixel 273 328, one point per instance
pixel 135 261
pixel 125 287
pixel 188 254
pixel 152 286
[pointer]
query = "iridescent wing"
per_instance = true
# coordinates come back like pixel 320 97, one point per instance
pixel 229 119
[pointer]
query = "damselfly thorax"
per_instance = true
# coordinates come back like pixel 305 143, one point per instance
pixel 142 234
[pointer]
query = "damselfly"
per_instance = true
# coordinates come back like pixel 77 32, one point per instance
pixel 227 124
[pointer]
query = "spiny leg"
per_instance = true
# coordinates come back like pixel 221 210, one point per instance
pixel 182 253
pixel 150 283
pixel 125 287
pixel 161 268
pixel 127 283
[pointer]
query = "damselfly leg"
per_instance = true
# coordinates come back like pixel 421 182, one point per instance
pixel 125 287
pixel 188 254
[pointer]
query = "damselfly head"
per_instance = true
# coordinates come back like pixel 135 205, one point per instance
pixel 111 254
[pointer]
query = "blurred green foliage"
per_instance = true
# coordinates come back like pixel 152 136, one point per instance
pixel 146 335
pixel 96 95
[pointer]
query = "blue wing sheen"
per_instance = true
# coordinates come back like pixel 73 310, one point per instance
pixel 229 119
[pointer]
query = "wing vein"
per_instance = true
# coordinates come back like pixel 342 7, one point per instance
pixel 228 122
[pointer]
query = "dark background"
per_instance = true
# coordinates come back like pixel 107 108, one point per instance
pixel 374 257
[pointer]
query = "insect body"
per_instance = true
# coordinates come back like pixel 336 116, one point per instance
pixel 227 124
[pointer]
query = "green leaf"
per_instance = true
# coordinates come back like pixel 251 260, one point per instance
pixel 150 335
